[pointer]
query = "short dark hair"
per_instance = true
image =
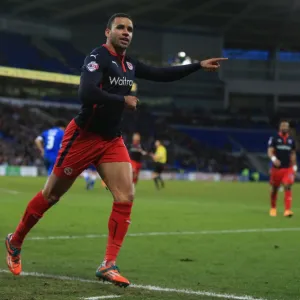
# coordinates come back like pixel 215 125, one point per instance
pixel 284 121
pixel 117 15
pixel 60 123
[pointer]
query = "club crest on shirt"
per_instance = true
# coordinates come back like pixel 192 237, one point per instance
pixel 92 66
pixel 68 171
pixel 129 65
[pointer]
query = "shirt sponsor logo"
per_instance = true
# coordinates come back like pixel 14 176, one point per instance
pixel 121 81
pixel 283 147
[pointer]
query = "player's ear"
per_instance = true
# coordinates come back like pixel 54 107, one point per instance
pixel 107 32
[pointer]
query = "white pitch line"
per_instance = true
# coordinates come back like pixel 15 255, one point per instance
pixel 203 232
pixel 13 192
pixel 102 297
pixel 144 287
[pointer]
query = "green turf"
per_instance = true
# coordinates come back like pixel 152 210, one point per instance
pixel 260 264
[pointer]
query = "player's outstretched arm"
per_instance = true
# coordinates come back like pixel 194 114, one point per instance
pixel 168 74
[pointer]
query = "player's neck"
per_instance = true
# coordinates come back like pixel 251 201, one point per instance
pixel 283 133
pixel 118 51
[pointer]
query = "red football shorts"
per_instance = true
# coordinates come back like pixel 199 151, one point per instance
pixel 284 176
pixel 81 149
pixel 136 168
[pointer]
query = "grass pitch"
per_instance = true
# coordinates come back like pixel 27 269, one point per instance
pixel 190 236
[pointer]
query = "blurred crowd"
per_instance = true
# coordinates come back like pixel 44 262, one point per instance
pixel 234 118
pixel 18 129
pixel 20 125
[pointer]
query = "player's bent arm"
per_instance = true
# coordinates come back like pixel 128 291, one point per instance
pixel 90 93
pixel 91 77
pixel 271 154
pixel 39 144
pixel 294 160
pixel 165 74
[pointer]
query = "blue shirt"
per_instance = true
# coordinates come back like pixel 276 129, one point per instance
pixel 52 139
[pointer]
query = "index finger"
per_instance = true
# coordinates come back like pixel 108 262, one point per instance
pixel 219 59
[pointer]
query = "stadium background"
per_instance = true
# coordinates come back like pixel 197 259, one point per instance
pixel 214 125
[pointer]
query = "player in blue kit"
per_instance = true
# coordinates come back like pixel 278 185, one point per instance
pixel 90 176
pixel 49 143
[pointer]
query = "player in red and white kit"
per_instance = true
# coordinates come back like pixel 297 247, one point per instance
pixel 136 153
pixel 282 152
pixel 94 137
